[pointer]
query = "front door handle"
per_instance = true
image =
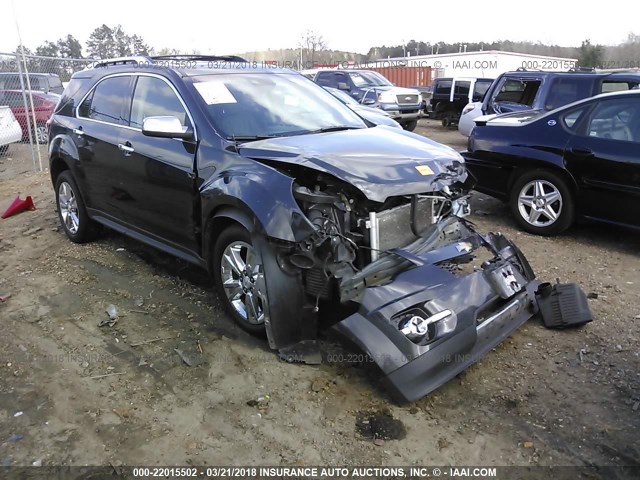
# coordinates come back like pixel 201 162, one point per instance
pixel 78 131
pixel 126 148
pixel 582 152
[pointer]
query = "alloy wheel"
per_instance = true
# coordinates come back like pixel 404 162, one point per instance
pixel 42 135
pixel 540 203
pixel 242 275
pixel 68 205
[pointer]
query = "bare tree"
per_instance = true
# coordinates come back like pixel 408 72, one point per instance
pixel 310 44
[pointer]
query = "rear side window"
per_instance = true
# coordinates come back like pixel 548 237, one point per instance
pixel 105 101
pixel 443 87
pixel 479 90
pixel 571 118
pixel 54 81
pixel 12 99
pixel 37 83
pixel 462 88
pixel 154 97
pixel 567 90
pixel 325 79
pixel 616 119
pixel 10 82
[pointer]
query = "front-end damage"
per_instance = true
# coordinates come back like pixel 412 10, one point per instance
pixel 419 300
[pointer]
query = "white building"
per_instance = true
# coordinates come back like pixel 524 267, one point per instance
pixel 488 64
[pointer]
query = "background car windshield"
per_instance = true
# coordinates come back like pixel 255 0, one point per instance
pixel 264 105
pixel 369 79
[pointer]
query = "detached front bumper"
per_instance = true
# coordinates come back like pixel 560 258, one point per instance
pixel 439 365
pixel 484 307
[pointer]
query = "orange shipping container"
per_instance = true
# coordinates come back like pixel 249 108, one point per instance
pixel 406 76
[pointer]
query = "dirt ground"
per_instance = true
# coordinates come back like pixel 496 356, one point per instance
pixel 74 393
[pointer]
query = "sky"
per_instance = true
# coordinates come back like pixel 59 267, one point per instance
pixel 246 25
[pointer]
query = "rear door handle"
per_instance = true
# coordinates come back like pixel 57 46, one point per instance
pixel 127 149
pixel 78 131
pixel 582 152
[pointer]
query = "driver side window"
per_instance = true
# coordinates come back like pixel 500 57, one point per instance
pixel 616 119
pixel 154 97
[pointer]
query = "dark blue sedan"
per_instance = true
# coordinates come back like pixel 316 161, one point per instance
pixel 581 161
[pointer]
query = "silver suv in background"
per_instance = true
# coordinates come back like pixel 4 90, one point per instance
pixel 40 82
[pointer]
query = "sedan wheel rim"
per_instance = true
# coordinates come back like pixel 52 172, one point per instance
pixel 540 203
pixel 243 279
pixel 68 206
pixel 41 134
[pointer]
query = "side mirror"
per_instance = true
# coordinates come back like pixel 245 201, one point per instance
pixel 165 127
pixel 343 86
pixel 368 101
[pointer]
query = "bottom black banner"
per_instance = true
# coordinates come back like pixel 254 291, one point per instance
pixel 321 472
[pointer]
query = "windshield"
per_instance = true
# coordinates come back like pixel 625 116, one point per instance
pixel 269 105
pixel 340 95
pixel 369 79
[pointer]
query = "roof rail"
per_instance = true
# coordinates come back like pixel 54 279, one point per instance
pixel 210 58
pixel 582 70
pixel 123 61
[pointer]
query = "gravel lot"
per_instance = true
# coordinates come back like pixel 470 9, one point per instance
pixel 72 392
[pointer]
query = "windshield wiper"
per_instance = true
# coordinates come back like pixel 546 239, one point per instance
pixel 248 138
pixel 335 128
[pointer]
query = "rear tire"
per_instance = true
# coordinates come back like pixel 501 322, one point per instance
pixel 42 133
pixel 542 203
pixel 71 209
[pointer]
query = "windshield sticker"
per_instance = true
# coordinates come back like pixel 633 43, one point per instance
pixel 214 93
pixel 424 170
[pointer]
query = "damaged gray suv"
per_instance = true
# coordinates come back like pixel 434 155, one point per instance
pixel 297 207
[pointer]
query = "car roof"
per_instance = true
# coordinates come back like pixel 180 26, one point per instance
pixel 462 79
pixel 631 93
pixel 544 114
pixel 570 73
pixel 356 70
pixel 197 67
pixel 40 74
pixel 32 92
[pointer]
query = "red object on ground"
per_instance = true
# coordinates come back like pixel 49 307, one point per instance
pixel 18 206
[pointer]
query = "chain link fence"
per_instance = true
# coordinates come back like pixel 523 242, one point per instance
pixel 30 87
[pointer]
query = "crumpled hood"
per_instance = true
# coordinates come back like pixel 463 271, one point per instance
pixel 381 162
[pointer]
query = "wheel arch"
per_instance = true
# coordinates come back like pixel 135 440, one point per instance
pixel 56 166
pixel 220 219
pixel 561 172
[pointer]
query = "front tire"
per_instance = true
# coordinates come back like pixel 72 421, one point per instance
pixel 238 273
pixel 410 126
pixel 541 203
pixel 71 209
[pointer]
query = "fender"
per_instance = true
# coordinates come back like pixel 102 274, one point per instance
pixel 265 196
pixel 261 200
pixel 62 148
